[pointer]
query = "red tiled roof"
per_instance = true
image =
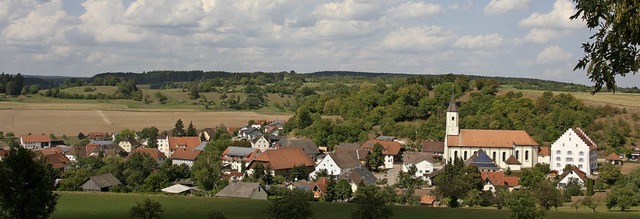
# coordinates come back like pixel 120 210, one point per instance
pixel 576 170
pixel 592 145
pixel 511 181
pixel 185 154
pixel 3 153
pixel 322 184
pixel 184 142
pixel 496 178
pixel 55 157
pixel 35 138
pixel 285 158
pixel 613 156
pixel 232 130
pixel 433 146
pixel 153 152
pixel 427 199
pixel 490 138
pixel 544 151
pixel 390 147
pixel 512 161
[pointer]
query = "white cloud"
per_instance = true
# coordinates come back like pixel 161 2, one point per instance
pixel 553 54
pixel 44 22
pixel 102 22
pixel 541 35
pixel 418 38
pixel 415 9
pixel 479 41
pixel 165 12
pixel 558 17
pixel 347 10
pixel 505 6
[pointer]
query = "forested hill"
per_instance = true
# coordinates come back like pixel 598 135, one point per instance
pixel 163 77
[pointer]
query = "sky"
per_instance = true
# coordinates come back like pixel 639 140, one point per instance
pixel 512 38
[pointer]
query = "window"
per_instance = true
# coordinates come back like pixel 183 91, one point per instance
pixel 452 118
pixel 558 159
pixel 455 154
pixel 504 156
pixel 558 152
pixel 569 159
pixel 465 153
pixel 581 153
pixel 580 166
pixel 569 153
pixel 526 155
pixel 494 155
pixel 518 155
pixel 581 160
pixel 558 165
pixel 576 145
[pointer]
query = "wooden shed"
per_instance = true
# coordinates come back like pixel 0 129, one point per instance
pixel 100 183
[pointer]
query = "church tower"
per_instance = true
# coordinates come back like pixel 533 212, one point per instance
pixel 452 118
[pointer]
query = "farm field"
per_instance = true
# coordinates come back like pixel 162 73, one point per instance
pixel 71 119
pixel 627 100
pixel 114 205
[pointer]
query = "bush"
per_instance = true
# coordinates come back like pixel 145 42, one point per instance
pixel 147 209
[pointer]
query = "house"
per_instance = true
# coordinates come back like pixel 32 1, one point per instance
pixel 390 149
pixel 98 136
pixel 614 159
pixel 337 163
pixel 261 142
pixel 513 163
pixel 35 141
pixel 163 143
pixel 493 180
pixel 635 154
pixel 105 150
pixel 434 147
pixel 481 160
pixel 280 161
pixel 152 152
pixel 422 161
pixel 248 133
pixel 353 148
pixel 183 143
pixel 498 144
pixel 575 148
pixel 307 146
pixel 129 144
pixel 237 156
pixel 357 176
pixel 184 156
pixel 386 138
pixel 544 155
pixel 55 156
pixel 302 184
pixel 248 190
pixel 320 187
pixel 573 174
pixel 207 133
pixel 101 142
pixel 428 200
pixel 100 183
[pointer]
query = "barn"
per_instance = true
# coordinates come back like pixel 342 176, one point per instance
pixel 100 183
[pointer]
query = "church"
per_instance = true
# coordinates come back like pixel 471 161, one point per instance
pixel 508 148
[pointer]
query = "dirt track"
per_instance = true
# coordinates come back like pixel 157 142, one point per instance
pixel 71 122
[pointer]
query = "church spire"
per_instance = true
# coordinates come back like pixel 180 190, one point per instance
pixel 452 103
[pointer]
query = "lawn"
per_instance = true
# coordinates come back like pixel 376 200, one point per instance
pixel 113 205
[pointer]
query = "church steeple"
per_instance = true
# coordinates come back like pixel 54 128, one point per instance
pixel 452 117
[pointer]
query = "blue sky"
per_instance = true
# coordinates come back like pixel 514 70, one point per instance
pixel 514 38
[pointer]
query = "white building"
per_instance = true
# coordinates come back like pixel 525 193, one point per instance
pixel 575 148
pixel 499 145
pixel 129 145
pixel 544 155
pixel 35 141
pixel 337 163
pixel 236 156
pixel 421 160
pixel 573 174
pixel 261 143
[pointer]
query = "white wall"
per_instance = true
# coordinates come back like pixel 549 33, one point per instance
pixel 180 161
pixel 422 167
pixel 261 144
pixel 570 149
pixel 330 165
pixel 499 159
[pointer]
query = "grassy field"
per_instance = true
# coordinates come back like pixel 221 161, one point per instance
pixel 628 100
pixel 113 205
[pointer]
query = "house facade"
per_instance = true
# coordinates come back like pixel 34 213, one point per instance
pixel 573 174
pixel 498 144
pixel 184 156
pixel 261 143
pixel 575 148
pixel 544 155
pixel 35 141
pixel 390 149
pixel 422 161
pixel 237 156
pixel 129 144
pixel 337 163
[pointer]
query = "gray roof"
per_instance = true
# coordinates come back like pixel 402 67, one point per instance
pixel 105 180
pixel 386 138
pixel 452 104
pixel 201 146
pixel 345 160
pixel 239 190
pixel 308 146
pixel 347 147
pixel 410 157
pixel 239 151
pixel 359 175
pixel 101 142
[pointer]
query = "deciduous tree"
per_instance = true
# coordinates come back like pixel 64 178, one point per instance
pixel 294 204
pixel 147 209
pixel 370 204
